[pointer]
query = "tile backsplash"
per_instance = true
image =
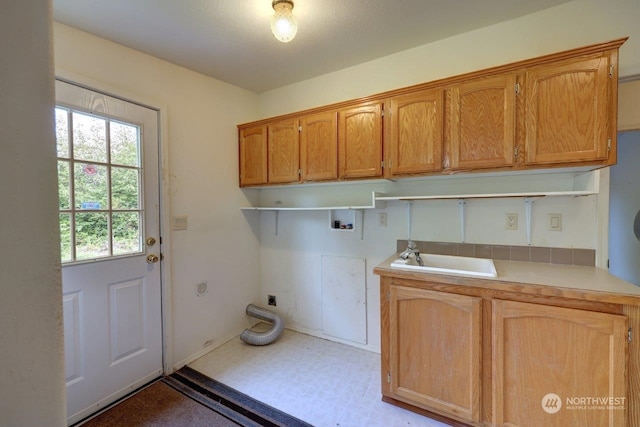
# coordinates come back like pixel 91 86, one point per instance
pixel 569 256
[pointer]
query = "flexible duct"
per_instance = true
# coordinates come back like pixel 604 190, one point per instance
pixel 267 337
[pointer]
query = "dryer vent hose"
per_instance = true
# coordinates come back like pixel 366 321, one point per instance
pixel 267 337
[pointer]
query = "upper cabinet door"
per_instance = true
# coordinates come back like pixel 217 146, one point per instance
pixel 319 147
pixel 483 115
pixel 253 156
pixel 360 141
pixel 284 152
pixel 567 111
pixel 416 133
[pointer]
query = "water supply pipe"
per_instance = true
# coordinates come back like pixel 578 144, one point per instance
pixel 266 337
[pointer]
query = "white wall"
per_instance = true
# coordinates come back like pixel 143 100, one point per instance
pixel 291 260
pixel 570 25
pixel 199 138
pixel 624 206
pixel 629 106
pixel 31 347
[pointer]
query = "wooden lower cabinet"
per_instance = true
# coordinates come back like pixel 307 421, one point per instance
pixel 548 360
pixel 434 352
pixel 482 360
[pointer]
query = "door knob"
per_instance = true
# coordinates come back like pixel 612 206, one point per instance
pixel 152 258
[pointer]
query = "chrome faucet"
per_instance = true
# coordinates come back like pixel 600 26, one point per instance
pixel 412 249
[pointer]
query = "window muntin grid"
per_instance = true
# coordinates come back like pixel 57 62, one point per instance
pixel 100 186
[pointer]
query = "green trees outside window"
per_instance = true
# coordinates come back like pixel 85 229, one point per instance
pixel 99 186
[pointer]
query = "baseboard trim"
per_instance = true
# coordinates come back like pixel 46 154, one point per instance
pixel 207 349
pixel 319 334
pixel 229 337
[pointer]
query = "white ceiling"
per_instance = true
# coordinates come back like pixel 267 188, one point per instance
pixel 231 39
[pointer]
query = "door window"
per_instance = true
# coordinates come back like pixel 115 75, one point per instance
pixel 99 186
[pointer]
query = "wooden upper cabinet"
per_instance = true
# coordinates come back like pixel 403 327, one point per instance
pixel 563 112
pixel 284 152
pixel 434 350
pixel 538 350
pixel 415 137
pixel 253 156
pixel 483 117
pixel 360 141
pixel 568 106
pixel 319 147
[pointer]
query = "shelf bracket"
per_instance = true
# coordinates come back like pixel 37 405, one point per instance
pixel 361 224
pixel 409 205
pixel 277 222
pixel 528 204
pixel 461 203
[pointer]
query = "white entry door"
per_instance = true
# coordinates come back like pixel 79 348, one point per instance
pixel 110 244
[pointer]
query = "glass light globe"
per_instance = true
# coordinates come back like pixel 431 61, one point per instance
pixel 283 24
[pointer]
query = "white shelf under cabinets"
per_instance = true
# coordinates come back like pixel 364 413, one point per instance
pixel 355 195
pixel 532 194
pixel 376 203
pixel 379 201
pixel 320 198
pixel 528 198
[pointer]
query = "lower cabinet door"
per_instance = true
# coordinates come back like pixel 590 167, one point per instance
pixel 555 366
pixel 434 352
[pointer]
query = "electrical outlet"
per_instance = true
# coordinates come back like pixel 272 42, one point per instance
pixel 511 221
pixel 271 300
pixel 382 219
pixel 555 222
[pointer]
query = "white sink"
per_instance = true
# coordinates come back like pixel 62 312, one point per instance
pixel 448 264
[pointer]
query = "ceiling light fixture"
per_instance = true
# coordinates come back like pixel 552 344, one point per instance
pixel 283 24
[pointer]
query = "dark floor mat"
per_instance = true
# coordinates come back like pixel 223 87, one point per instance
pixel 218 396
pixel 160 405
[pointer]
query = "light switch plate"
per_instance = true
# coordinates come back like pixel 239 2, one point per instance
pixel 180 223
pixel 555 222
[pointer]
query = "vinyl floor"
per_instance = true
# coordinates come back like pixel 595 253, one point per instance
pixel 321 382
